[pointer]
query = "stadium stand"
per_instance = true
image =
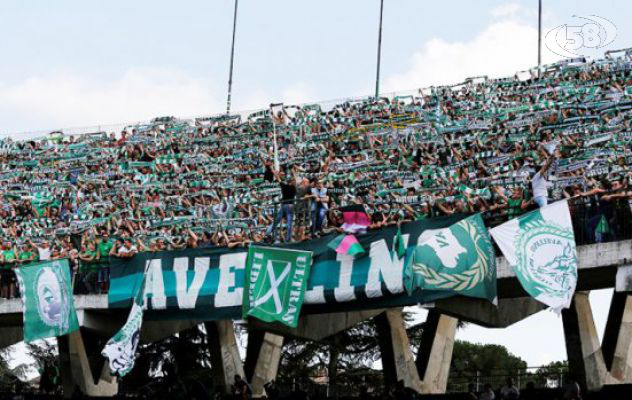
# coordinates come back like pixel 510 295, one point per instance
pixel 496 146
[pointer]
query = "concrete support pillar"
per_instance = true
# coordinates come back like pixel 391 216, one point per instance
pixel 255 341
pixel 585 358
pixel 225 359
pixel 435 352
pixel 82 367
pixel 262 359
pixel 398 362
pixel 617 340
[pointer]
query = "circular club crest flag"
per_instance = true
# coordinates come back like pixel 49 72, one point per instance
pixel 540 247
pixel 47 300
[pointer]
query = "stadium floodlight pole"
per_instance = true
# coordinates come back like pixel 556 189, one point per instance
pixel 539 35
pixel 232 57
pixel 379 52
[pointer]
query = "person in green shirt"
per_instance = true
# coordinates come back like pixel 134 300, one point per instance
pixel 88 266
pixel 517 204
pixel 104 246
pixel 26 254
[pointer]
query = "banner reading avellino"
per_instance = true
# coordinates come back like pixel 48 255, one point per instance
pixel 208 283
pixel 47 300
pixel 275 284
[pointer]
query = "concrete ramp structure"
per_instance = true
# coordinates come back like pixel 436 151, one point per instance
pixel 594 364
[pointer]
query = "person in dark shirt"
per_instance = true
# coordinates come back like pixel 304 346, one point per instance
pixel 240 389
pixel 286 210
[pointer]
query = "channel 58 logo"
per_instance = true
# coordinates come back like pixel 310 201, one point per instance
pixel 566 40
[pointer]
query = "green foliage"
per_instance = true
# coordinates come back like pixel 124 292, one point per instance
pixel 552 372
pixel 177 367
pixel 44 353
pixel 488 359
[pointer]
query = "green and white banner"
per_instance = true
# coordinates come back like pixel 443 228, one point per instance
pixel 47 300
pixel 209 283
pixel 540 247
pixel 275 284
pixel 120 350
pixel 458 259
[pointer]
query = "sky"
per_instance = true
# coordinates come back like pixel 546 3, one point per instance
pixel 86 64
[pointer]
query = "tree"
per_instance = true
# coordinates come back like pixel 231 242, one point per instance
pixel 339 357
pixel 345 359
pixel 44 353
pixel 490 361
pixel 551 374
pixel 177 367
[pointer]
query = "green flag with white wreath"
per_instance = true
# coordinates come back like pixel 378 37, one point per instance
pixel 458 259
pixel 275 284
pixel 47 301
pixel 540 247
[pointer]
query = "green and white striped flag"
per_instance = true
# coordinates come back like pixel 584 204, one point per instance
pixel 120 350
pixel 540 247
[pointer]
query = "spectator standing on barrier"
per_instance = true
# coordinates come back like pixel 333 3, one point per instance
pixel 303 195
pixel 319 206
pixel 509 391
pixel 286 209
pixel 487 393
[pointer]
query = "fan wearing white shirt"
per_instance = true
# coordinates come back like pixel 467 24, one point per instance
pixel 540 184
pixel 43 250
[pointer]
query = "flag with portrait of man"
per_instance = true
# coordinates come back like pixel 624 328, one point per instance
pixel 47 301
pixel 457 260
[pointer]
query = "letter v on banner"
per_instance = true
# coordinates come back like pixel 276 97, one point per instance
pixel 187 294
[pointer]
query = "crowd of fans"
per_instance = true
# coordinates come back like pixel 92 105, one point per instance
pixel 496 146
